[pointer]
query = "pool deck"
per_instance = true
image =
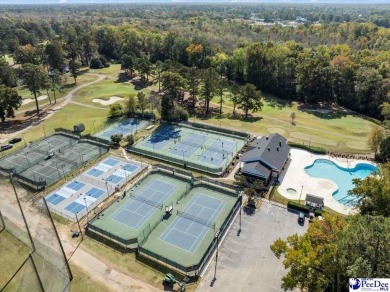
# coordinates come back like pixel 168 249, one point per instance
pixel 296 178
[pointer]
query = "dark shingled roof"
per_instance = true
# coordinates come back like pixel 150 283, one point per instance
pixel 315 199
pixel 272 150
pixel 256 169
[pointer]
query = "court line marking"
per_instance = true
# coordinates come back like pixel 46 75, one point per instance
pixel 179 219
pixel 151 208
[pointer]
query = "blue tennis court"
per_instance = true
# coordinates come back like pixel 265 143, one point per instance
pixel 75 207
pixel 75 185
pixel 95 193
pixel 55 199
pixel 124 128
pixel 218 151
pixel 191 225
pixel 136 211
pixel 111 162
pixel 188 145
pixel 114 179
pixel 130 167
pixel 95 172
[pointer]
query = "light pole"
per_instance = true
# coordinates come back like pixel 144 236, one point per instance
pixel 300 195
pixel 94 129
pixel 44 130
pixel 216 255
pixel 24 140
pixel 86 206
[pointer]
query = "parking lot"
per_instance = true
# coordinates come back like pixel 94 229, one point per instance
pixel 245 261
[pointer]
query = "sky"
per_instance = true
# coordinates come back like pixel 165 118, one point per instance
pixel 13 2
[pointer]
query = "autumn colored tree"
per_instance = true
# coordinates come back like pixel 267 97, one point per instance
pixel 377 135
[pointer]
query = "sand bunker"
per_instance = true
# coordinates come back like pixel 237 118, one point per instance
pixel 28 100
pixel 112 100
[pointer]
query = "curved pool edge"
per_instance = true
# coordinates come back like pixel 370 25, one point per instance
pixel 296 176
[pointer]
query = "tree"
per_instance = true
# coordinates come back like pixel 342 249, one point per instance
pixel 55 55
pixel 116 139
pixel 250 99
pixel 144 67
pixel 166 108
pixel 130 139
pixel 173 84
pixel 193 85
pixel 209 87
pixel 127 63
pixel 10 101
pixel 154 101
pixel 116 110
pixel 293 116
pixel 377 135
pixel 363 248
pixel 159 67
pixel 385 112
pixel 27 54
pixel 142 101
pixel 7 74
pixel 35 80
pixel 131 105
pixel 311 259
pixel 74 68
pixel 235 96
pixel 56 83
pixel 221 87
pixel 373 192
pixel 384 150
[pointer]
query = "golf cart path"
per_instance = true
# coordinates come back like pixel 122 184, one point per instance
pixel 65 100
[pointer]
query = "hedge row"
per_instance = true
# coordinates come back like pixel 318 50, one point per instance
pixel 313 149
pixel 298 207
pixel 302 208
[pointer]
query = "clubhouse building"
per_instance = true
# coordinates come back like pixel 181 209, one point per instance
pixel 265 158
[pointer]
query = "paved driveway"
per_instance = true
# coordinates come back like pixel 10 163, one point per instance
pixel 245 261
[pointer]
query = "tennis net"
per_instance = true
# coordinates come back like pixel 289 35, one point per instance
pixel 194 218
pixel 66 160
pixel 149 202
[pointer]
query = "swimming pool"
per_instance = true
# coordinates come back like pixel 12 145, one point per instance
pixel 342 177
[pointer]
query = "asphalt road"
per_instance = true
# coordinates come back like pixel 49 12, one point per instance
pixel 245 261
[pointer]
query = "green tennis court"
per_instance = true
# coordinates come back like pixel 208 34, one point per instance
pixel 206 150
pixel 184 238
pixel 131 216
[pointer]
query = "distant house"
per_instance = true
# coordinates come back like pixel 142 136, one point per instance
pixel 315 202
pixel 265 157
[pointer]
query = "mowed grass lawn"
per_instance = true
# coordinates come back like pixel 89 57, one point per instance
pixel 109 87
pixel 67 86
pixel 67 117
pixel 334 132
pixel 13 254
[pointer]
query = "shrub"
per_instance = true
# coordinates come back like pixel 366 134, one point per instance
pixel 313 149
pixel 116 110
pixel 96 64
pixel 180 114
pixel 318 212
pixel 130 139
pixel 116 139
pixel 298 207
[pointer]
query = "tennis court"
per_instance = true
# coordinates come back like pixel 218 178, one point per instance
pixel 124 128
pixel 90 188
pixel 132 215
pixel 190 226
pixel 183 239
pixel 208 151
pixel 45 162
pixel 144 203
